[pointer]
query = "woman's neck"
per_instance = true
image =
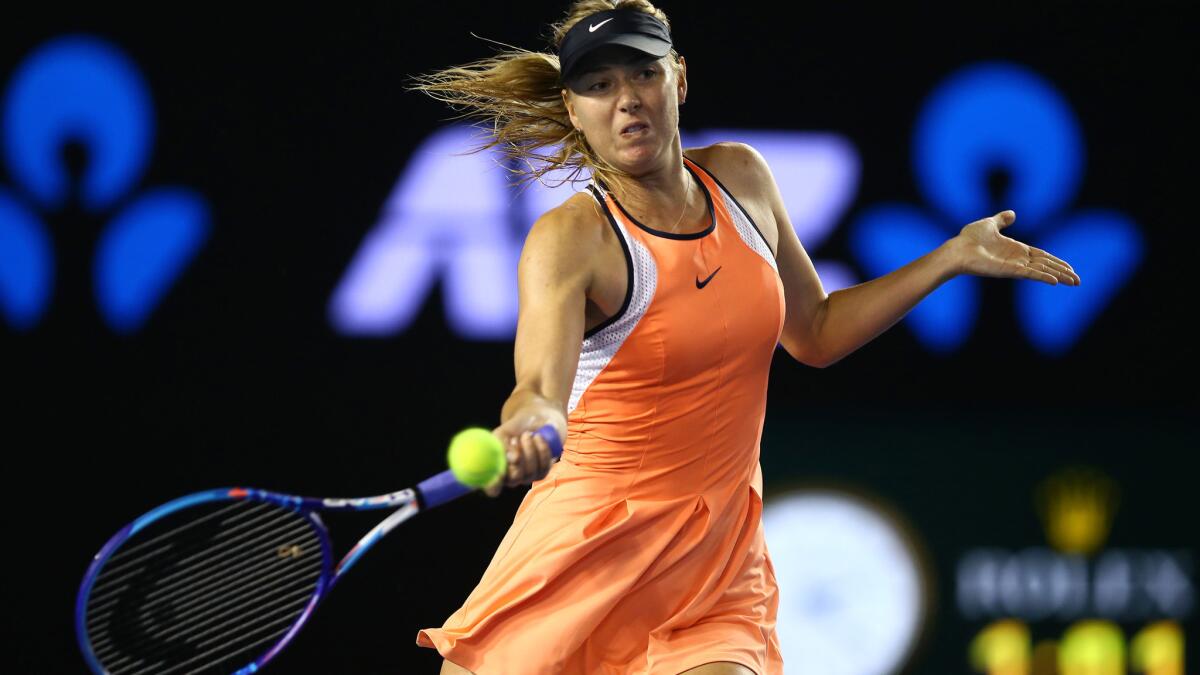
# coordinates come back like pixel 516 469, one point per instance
pixel 662 198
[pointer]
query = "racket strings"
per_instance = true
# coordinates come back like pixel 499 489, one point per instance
pixel 229 556
pixel 185 623
pixel 204 574
pixel 228 539
pixel 201 596
pixel 203 589
pixel 214 603
pixel 223 646
pixel 239 507
pixel 227 560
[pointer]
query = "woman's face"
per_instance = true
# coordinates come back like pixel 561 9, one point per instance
pixel 627 105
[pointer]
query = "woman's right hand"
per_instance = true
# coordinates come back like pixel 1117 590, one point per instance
pixel 527 453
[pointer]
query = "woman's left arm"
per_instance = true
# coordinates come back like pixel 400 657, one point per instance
pixel 822 329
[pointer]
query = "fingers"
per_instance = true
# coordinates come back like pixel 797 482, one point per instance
pixel 1036 271
pixel 1048 272
pixel 528 456
pixel 532 459
pixel 516 460
pixel 1062 271
pixel 1037 252
pixel 1046 269
pixel 544 456
pixel 1054 265
pixel 1041 265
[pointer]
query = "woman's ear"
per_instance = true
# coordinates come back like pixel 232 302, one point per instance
pixel 570 105
pixel 682 80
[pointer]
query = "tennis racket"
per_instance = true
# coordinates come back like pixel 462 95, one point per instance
pixel 220 581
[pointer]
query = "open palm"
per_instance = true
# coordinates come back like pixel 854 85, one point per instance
pixel 984 252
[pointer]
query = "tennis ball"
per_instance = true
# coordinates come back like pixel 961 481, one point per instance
pixel 476 457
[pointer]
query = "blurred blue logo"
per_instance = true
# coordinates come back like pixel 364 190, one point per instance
pixel 81 89
pixel 997 136
pixel 453 218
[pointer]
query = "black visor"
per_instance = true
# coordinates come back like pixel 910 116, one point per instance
pixel 625 27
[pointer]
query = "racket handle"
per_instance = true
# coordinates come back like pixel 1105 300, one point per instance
pixel 444 487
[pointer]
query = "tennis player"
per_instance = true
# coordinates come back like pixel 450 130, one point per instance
pixel 651 305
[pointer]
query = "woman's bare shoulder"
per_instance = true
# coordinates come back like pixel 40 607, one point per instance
pixel 579 216
pixel 744 174
pixel 571 232
pixel 739 167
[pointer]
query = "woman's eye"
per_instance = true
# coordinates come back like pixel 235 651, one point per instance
pixel 598 86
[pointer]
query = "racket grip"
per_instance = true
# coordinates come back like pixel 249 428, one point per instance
pixel 444 487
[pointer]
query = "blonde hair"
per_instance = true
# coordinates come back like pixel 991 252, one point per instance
pixel 517 95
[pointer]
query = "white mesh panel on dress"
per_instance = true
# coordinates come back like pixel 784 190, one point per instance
pixel 746 230
pixel 600 348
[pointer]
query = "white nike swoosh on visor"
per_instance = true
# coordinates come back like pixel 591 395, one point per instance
pixel 592 29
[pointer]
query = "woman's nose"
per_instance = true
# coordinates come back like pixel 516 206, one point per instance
pixel 629 100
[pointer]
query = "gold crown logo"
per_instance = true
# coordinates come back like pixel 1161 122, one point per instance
pixel 1077 507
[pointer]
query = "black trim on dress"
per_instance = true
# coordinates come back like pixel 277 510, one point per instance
pixel 628 267
pixel 739 205
pixel 712 216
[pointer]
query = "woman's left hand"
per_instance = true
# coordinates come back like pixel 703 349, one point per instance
pixel 981 250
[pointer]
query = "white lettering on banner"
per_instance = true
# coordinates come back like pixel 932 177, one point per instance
pixel 1038 583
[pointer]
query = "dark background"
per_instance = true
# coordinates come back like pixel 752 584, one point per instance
pixel 294 124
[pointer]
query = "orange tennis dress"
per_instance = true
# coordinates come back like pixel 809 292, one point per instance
pixel 642 550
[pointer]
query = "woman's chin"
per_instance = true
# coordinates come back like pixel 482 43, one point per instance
pixel 638 159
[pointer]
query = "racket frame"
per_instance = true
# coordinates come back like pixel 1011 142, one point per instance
pixel 431 492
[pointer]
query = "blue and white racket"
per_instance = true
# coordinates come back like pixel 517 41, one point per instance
pixel 220 581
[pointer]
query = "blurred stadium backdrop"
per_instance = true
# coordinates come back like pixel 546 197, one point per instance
pixel 235 250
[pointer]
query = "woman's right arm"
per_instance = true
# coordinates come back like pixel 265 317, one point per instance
pixel 553 277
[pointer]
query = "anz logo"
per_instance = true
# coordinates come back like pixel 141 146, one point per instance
pixel 453 217
pixel 999 120
pixel 80 89
pixel 994 135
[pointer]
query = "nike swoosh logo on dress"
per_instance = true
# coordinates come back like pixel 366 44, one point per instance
pixel 702 284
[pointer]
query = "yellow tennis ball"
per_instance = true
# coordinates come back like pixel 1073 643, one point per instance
pixel 476 457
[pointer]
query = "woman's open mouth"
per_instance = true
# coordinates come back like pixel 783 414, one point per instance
pixel 634 129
